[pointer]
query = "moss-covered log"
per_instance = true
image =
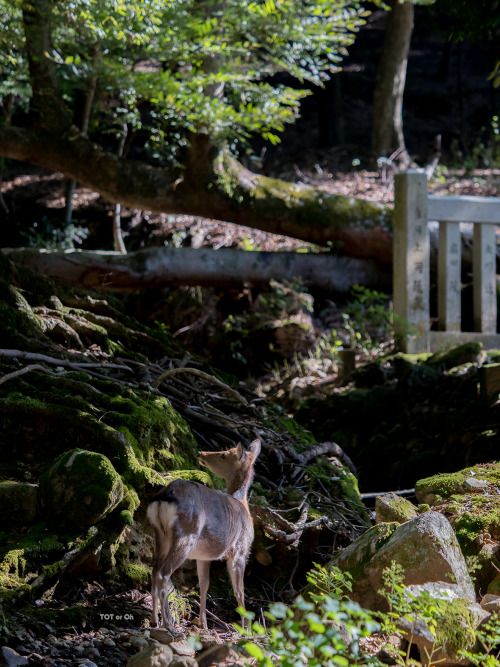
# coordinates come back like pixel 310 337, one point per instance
pixel 225 190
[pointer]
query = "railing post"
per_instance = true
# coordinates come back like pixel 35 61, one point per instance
pixel 411 262
pixel 449 277
pixel 484 278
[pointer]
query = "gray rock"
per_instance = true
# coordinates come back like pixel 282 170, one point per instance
pixel 183 661
pixel 491 603
pixel 11 658
pixel 156 655
pixel 426 547
pixel 182 647
pixel 213 655
pixel 475 485
pixel 161 635
pixel 391 507
pixel 139 642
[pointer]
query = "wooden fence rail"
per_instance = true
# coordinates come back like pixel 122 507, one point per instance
pixel 413 209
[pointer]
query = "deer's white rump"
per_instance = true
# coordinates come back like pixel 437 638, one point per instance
pixel 193 521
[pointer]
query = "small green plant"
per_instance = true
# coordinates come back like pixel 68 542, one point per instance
pixel 405 610
pixel 473 565
pixel 322 634
pixel 54 234
pixel 327 629
pixel 248 244
pixel 443 618
pixel 488 635
pixel 367 318
pixel 329 581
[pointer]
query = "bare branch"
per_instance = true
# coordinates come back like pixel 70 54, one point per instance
pixel 205 376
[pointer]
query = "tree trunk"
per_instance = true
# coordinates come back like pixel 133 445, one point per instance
pixel 163 267
pixel 388 134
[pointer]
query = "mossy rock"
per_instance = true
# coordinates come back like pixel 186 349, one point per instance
pixel 81 488
pixel 356 556
pixel 18 501
pixel 456 620
pixel 425 547
pixel 462 354
pixel 139 432
pixel 391 507
pixel 470 499
pixel 474 479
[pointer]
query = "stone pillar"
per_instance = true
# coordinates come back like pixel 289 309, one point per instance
pixel 411 263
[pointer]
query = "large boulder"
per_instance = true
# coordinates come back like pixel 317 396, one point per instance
pixel 81 488
pixel 470 499
pixel 426 548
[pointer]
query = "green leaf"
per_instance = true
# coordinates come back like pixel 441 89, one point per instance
pixel 254 650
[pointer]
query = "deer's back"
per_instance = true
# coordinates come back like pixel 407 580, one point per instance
pixel 222 524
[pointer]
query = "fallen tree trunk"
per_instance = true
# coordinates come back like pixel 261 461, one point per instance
pixel 162 267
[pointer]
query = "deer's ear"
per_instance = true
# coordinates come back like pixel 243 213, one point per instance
pixel 240 451
pixel 255 448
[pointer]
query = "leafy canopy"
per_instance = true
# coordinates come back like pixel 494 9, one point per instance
pixel 169 68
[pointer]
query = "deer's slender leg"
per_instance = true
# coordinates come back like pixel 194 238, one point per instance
pixel 236 567
pixel 203 567
pixel 168 564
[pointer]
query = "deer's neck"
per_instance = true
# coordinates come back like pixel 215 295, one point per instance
pixel 238 486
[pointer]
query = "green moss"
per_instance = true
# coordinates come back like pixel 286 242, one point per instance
pixel 139 432
pixel 447 484
pixel 356 556
pixel 21 555
pixel 494 587
pixel 135 573
pixel 53 569
pixel 80 488
pixel 125 518
pixel 135 435
pixel 462 354
pixel 193 475
pixel 391 507
pixel 270 197
pixel 472 514
pixel 455 630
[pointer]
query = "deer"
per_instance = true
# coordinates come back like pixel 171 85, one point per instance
pixel 191 520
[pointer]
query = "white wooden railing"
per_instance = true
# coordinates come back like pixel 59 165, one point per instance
pixel 413 209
